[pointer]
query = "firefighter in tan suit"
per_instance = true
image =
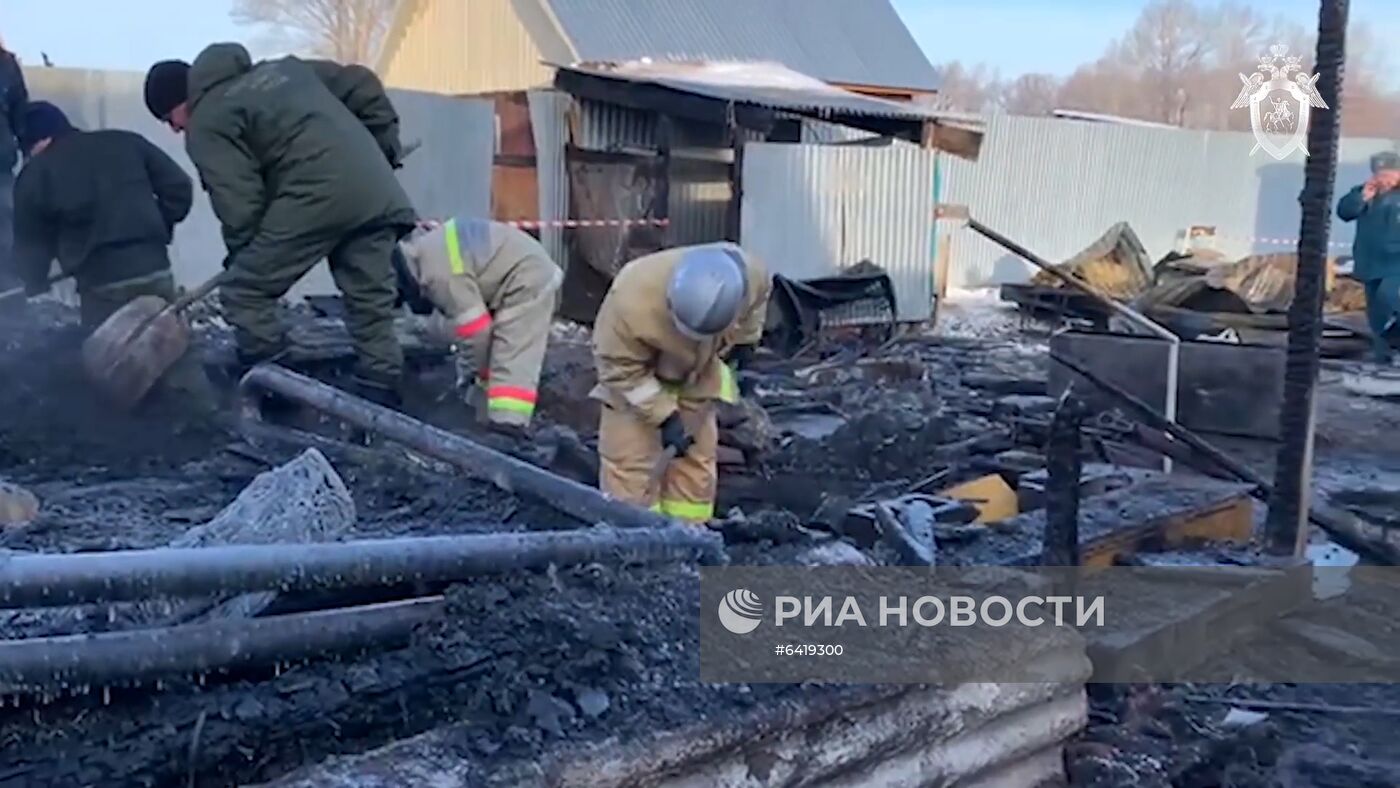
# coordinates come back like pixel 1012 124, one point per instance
pixel 668 325
pixel 495 287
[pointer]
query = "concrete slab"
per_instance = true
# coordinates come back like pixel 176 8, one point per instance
pixel 1165 631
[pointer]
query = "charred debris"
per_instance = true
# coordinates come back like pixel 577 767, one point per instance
pixel 205 601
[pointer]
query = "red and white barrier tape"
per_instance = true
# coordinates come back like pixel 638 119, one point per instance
pixel 1291 242
pixel 530 224
pixel 534 224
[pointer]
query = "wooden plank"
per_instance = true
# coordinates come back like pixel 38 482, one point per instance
pixel 1231 522
pixel 514 193
pixel 1160 509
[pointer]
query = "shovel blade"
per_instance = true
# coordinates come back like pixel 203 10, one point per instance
pixel 129 352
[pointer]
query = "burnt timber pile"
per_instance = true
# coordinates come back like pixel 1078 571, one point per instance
pixel 576 671
pixel 562 658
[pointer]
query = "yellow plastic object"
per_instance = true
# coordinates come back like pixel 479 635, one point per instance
pixel 993 497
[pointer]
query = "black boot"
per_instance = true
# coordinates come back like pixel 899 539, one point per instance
pixel 379 392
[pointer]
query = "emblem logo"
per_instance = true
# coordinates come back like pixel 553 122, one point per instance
pixel 1280 97
pixel 741 611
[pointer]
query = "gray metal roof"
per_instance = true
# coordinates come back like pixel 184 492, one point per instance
pixel 859 42
pixel 765 85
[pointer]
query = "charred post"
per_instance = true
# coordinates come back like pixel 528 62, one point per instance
pixel 1286 527
pixel 1064 467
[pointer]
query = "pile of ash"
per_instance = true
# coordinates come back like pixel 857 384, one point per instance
pixel 528 662
pixel 54 424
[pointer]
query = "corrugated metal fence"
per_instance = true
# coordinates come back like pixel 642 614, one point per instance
pixel 812 211
pixel 1056 185
pixel 549 121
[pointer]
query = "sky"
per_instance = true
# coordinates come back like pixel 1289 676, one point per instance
pixel 1014 36
pixel 1056 36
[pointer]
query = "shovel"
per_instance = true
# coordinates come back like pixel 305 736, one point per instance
pixel 130 351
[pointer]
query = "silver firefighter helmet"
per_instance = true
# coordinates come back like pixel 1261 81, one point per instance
pixel 707 289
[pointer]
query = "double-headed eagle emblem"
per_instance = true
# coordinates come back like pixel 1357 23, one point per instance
pixel 1270 63
pixel 1280 97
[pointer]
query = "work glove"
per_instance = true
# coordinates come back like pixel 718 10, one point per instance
pixel 739 360
pixel 741 356
pixel 675 436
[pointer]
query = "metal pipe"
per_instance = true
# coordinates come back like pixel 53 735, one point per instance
pixel 128 575
pixel 76 661
pixel 506 472
pixel 1123 310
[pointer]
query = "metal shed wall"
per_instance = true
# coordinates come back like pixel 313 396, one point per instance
pixel 812 211
pixel 1056 185
pixel 549 121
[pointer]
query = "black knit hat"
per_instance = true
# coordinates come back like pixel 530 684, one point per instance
pixel 167 87
pixel 42 120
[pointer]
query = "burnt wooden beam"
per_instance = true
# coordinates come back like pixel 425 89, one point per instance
pixel 735 221
pixel 589 156
pixel 665 135
pixel 911 130
pixel 1064 469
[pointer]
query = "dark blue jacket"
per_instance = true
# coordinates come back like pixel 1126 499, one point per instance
pixel 1376 250
pixel 13 98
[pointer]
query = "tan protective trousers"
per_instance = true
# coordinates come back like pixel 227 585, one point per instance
pixel 508 362
pixel 629 450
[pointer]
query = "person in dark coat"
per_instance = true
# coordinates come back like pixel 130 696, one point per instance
pixel 298 158
pixel 1375 207
pixel 13 98
pixel 104 204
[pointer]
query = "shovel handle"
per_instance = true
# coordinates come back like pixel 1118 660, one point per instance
pixel 210 285
pixel 183 302
pixel 14 292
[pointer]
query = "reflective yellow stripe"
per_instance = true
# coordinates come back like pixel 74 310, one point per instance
pixel 510 404
pixel 686 510
pixel 454 248
pixel 656 507
pixel 728 392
